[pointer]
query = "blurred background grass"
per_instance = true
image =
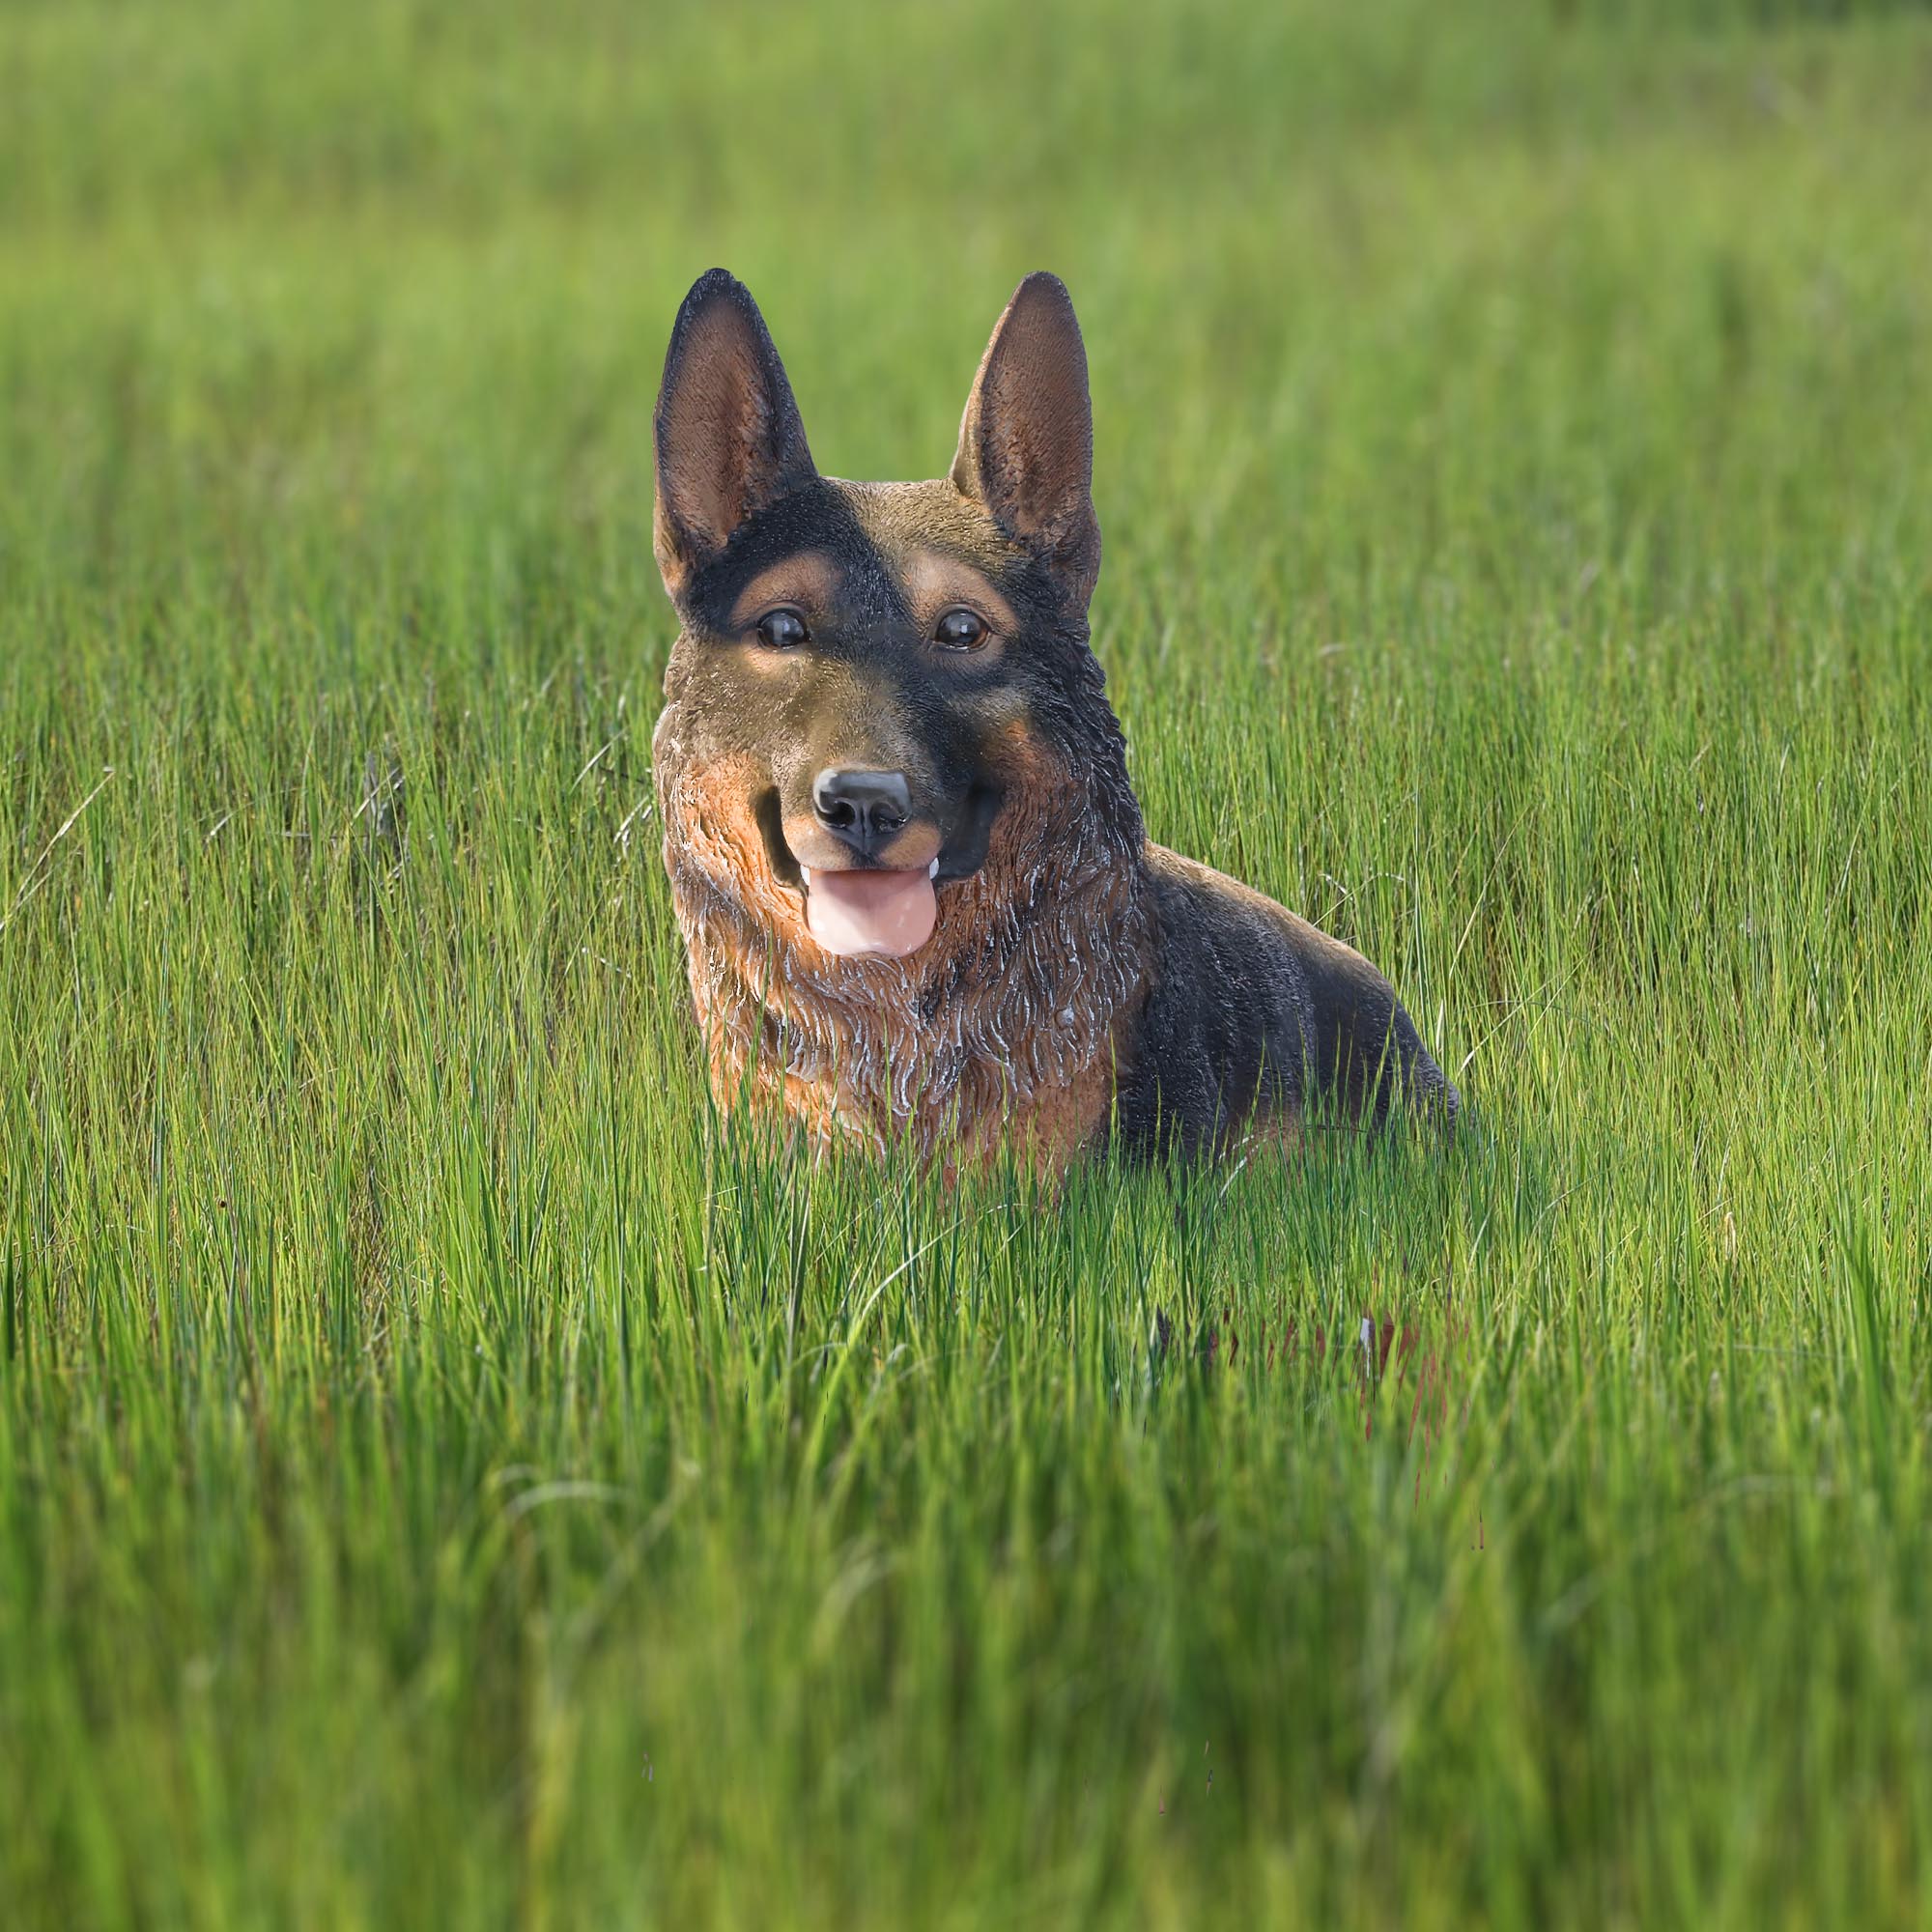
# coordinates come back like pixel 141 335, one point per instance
pixel 1554 285
pixel 443 1480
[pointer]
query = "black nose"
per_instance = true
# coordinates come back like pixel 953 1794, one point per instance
pixel 865 808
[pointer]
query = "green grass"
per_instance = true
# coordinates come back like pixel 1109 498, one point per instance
pixel 447 1479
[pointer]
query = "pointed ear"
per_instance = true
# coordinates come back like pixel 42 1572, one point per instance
pixel 1026 445
pixel 728 437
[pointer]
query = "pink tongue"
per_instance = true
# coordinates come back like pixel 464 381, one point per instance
pixel 872 912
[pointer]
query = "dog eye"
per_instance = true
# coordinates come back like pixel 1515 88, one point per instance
pixel 959 630
pixel 782 630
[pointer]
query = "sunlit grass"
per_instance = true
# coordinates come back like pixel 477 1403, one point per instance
pixel 445 1477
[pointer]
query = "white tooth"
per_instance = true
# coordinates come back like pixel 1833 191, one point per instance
pixel 932 871
pixel 805 873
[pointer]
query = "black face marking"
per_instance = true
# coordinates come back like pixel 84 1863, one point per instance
pixel 813 518
pixel 769 811
pixel 965 849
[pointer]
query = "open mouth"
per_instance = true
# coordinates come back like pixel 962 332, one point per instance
pixel 883 910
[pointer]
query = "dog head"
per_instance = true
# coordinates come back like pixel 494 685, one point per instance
pixel 878 687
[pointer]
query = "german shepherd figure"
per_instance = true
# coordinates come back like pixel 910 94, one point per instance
pixel 913 886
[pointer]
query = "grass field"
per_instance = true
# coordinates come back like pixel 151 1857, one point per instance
pixel 446 1479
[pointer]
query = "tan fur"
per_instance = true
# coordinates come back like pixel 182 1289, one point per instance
pixel 809 579
pixel 1005 1027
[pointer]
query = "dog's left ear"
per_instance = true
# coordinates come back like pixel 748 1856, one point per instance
pixel 1026 446
pixel 730 441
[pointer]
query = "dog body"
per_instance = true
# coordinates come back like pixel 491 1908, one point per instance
pixel 911 875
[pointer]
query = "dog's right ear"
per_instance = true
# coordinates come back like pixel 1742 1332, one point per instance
pixel 730 441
